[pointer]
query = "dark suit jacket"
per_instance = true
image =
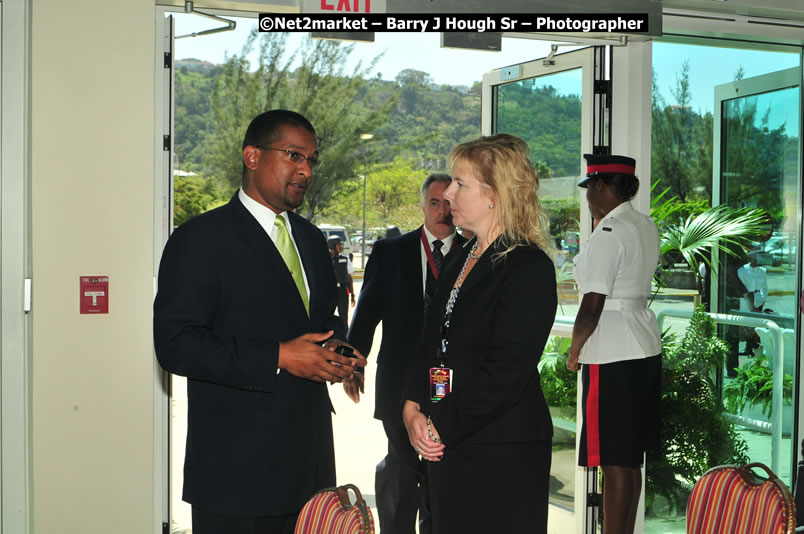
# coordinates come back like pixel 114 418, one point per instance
pixel 392 292
pixel 258 442
pixel 499 327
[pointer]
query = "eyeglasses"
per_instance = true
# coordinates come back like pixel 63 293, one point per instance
pixel 295 157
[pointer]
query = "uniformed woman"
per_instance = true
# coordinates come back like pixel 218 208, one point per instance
pixel 616 338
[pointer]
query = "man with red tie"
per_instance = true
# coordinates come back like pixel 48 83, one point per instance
pixel 400 276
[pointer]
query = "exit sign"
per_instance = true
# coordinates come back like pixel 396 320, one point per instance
pixel 343 7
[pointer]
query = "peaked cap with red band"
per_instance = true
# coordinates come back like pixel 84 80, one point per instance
pixel 597 165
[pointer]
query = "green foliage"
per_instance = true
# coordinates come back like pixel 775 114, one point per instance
pixel 194 195
pixel 239 94
pixel 691 208
pixel 559 384
pixel 549 122
pixel 681 147
pixel 563 214
pixel 694 434
pixel 411 118
pixel 753 385
pixel 335 102
pixel 719 229
pixel 392 197
pixel 662 207
pixel 755 158
pixel 194 81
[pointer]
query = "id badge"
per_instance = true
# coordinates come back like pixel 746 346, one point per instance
pixel 440 382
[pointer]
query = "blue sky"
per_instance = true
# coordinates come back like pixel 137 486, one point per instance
pixel 420 51
pixel 709 66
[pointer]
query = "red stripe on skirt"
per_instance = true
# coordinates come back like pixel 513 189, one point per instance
pixel 592 417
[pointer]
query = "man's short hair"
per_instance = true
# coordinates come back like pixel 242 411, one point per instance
pixel 266 127
pixel 435 177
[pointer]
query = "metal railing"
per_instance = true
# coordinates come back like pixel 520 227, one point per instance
pixel 777 397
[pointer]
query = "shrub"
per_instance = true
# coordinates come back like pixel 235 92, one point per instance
pixel 695 436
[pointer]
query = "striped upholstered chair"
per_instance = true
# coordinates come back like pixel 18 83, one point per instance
pixel 733 500
pixel 331 511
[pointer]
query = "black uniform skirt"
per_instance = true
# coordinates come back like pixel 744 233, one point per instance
pixel 491 488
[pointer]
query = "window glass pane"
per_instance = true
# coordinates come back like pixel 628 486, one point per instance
pixel 758 168
pixel 546 113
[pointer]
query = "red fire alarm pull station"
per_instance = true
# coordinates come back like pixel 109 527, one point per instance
pixel 94 294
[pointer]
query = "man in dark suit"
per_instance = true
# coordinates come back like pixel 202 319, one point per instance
pixel 246 299
pixel 399 279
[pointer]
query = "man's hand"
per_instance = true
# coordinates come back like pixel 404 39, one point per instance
pixel 354 386
pixel 306 358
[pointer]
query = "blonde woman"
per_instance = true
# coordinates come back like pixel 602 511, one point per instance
pixel 474 407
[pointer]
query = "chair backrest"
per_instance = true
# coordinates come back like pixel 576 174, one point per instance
pixel 733 500
pixel 331 511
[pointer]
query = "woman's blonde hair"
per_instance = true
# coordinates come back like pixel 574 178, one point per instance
pixel 500 162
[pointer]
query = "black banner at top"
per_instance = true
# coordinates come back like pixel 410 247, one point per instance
pixel 463 22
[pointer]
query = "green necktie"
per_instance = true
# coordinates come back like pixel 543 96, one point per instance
pixel 291 257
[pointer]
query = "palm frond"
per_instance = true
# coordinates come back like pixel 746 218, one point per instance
pixel 721 228
pixel 661 208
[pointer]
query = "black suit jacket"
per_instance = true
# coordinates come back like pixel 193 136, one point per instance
pixel 499 327
pixel 392 292
pixel 258 442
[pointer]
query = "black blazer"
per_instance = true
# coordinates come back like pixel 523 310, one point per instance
pixel 499 327
pixel 258 442
pixel 392 292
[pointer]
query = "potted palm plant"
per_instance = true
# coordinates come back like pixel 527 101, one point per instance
pixel 701 237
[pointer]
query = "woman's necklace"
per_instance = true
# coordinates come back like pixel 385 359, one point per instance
pixel 453 296
pixel 472 252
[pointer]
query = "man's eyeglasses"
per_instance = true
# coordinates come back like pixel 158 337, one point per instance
pixel 295 157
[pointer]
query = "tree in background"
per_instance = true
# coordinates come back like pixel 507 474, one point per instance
pixel 210 122
pixel 194 195
pixel 681 141
pixel 754 158
pixel 337 104
pixel 392 197
pixel 552 120
pixel 193 121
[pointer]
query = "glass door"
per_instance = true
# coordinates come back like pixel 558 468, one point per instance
pixel 548 103
pixel 757 164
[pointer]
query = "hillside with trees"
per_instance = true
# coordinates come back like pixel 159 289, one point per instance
pixel 414 121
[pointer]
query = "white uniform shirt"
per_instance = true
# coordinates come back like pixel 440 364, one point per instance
pixel 754 279
pixel 619 261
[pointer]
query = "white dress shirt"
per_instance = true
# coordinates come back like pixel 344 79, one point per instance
pixel 266 217
pixel 445 248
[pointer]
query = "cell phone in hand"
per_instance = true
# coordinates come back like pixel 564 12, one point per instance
pixel 347 351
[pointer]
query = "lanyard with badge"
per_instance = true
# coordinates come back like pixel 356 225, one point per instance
pixel 441 376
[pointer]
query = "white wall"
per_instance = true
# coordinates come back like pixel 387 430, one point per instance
pixel 92 161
